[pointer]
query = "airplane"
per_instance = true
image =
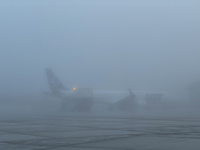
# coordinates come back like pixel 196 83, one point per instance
pixel 82 99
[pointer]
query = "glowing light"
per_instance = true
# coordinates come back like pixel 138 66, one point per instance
pixel 74 88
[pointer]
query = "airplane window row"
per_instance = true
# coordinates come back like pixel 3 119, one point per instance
pixel 111 94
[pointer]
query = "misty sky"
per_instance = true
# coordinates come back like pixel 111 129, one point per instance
pixel 105 44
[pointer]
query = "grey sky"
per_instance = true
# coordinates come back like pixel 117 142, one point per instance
pixel 144 45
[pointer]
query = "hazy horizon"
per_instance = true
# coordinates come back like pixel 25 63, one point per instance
pixel 142 45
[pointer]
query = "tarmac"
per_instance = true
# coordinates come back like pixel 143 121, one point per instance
pixel 98 132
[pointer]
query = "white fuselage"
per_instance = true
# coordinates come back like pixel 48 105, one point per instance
pixel 108 97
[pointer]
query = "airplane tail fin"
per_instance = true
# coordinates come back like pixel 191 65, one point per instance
pixel 54 83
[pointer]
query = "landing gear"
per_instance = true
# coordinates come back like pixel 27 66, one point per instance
pixel 77 105
pixel 83 105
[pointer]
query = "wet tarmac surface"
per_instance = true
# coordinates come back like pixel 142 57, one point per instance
pixel 89 132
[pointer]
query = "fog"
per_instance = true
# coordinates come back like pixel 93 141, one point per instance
pixel 105 45
pixel 141 45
